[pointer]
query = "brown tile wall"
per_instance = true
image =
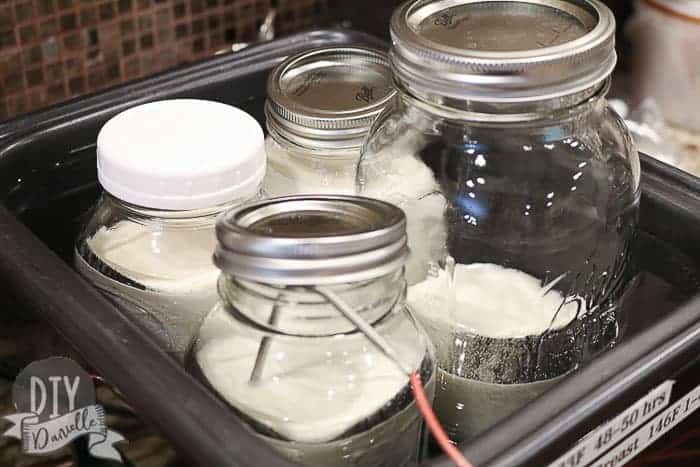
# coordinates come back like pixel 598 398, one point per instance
pixel 52 50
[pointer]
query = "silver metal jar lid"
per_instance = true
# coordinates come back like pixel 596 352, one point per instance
pixel 502 51
pixel 312 240
pixel 328 97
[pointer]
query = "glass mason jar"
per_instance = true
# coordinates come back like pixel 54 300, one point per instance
pixel 320 106
pixel 167 170
pixel 521 190
pixel 279 350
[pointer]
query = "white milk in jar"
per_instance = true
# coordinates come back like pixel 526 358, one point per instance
pixel 481 311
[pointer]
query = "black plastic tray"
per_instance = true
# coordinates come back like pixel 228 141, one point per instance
pixel 48 179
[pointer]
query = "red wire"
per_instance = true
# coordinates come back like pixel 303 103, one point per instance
pixel 426 410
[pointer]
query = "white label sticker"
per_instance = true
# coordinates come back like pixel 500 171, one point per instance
pixel 652 431
pixel 598 441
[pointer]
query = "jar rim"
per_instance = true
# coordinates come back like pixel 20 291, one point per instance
pixel 429 66
pixel 330 75
pixel 312 240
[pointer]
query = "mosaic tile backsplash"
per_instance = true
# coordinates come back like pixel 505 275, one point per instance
pixel 52 50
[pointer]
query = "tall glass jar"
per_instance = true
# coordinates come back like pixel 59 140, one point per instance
pixel 320 106
pixel 167 169
pixel 280 352
pixel 521 189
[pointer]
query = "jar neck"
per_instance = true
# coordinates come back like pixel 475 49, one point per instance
pixel 559 108
pixel 308 147
pixel 203 217
pixel 341 138
pixel 301 311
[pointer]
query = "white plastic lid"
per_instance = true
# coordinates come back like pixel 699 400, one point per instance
pixel 181 154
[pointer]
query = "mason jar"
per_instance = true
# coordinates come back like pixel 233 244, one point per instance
pixel 521 190
pixel 168 168
pixel 279 350
pixel 320 106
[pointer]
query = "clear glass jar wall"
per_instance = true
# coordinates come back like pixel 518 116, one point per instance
pixel 155 265
pixel 297 170
pixel 555 198
pixel 325 395
pixel 520 212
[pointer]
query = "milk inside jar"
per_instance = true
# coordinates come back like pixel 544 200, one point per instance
pixel 523 189
pixel 320 106
pixel 168 168
pixel 278 350
pixel 487 328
